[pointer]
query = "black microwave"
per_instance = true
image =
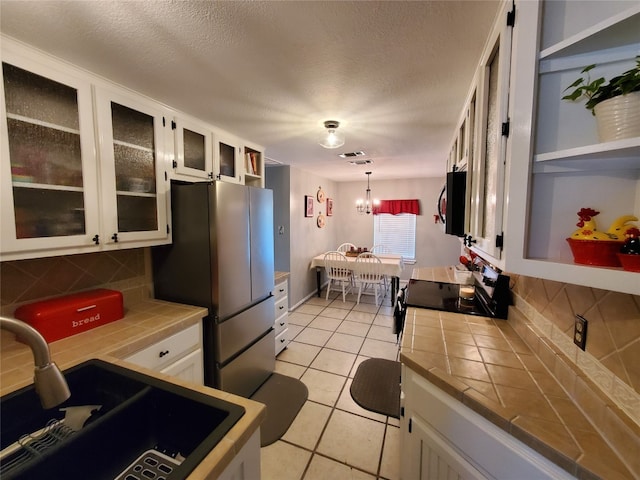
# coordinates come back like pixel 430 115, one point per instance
pixel 456 194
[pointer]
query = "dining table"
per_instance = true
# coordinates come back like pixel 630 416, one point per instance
pixel 392 266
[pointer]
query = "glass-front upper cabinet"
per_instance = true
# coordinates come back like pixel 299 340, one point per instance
pixel 228 158
pixel 132 168
pixel 193 155
pixel 48 165
pixel 489 156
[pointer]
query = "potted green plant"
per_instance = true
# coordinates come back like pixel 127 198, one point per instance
pixel 616 104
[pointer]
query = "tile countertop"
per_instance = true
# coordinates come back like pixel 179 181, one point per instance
pixel 484 363
pixel 279 276
pixel 144 323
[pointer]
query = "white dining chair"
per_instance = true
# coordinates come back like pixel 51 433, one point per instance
pixel 379 249
pixel 334 265
pixel 369 276
pixel 346 247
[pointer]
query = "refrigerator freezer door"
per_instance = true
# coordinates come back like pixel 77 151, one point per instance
pixel 245 373
pixel 235 333
pixel 261 227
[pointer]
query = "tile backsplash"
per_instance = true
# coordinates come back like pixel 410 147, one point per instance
pixel 26 281
pixel 613 336
pixel 611 360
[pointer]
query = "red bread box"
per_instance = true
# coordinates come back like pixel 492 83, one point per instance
pixel 66 316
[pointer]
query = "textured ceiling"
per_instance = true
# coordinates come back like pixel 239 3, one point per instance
pixel 394 73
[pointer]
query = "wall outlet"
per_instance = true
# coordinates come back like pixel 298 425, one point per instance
pixel 580 331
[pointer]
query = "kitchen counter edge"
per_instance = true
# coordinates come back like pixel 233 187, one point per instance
pixel 144 324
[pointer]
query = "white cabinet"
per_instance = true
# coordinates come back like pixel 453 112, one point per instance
pixel 556 163
pixel 281 325
pixel 246 464
pixel 132 168
pixel 48 162
pixel 193 151
pixel 228 158
pixel 66 189
pixel 179 355
pixel 442 438
pixel 488 116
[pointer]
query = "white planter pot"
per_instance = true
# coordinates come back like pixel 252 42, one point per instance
pixel 618 117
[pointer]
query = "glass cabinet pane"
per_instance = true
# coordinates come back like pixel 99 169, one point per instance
pixel 194 150
pixel 45 155
pixel 131 126
pixel 492 151
pixel 227 160
pixel 137 214
pixel 39 98
pixel 134 153
pixel 48 213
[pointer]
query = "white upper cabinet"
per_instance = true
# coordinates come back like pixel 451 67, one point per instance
pixel 489 103
pixel 193 152
pixel 48 164
pixel 133 176
pixel 85 163
pixel 228 158
pixel 556 164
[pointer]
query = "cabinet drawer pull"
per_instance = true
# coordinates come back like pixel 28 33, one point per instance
pixel 280 307
pixel 282 340
pixel 281 290
pixel 282 324
pixel 163 353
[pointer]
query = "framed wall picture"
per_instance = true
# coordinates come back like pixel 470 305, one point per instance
pixel 329 207
pixel 308 206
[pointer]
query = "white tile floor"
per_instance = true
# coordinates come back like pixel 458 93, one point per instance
pixel 332 437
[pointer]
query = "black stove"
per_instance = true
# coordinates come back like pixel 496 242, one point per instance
pixel 492 297
pixel 441 296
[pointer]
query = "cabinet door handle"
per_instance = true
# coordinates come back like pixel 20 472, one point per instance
pixel 96 239
pixel 281 290
pixel 114 237
pixel 282 324
pixel 163 353
pixel 280 307
pixel 282 340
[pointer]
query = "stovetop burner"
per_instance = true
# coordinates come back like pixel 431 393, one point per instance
pixel 442 296
pixel 492 296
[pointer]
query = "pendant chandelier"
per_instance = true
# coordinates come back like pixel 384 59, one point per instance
pixel 366 206
pixel 332 138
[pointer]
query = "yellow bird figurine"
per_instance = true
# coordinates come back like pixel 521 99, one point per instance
pixel 587 227
pixel 620 226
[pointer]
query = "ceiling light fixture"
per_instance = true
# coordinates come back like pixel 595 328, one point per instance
pixel 331 138
pixel 365 206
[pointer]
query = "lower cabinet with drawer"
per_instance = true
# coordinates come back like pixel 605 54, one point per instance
pixel 281 325
pixel 179 355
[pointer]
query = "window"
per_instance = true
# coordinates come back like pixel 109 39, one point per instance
pixel 397 233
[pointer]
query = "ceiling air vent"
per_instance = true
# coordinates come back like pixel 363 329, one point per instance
pixel 360 162
pixel 352 154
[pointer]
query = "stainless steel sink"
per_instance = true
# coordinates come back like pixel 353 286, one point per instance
pixel 138 414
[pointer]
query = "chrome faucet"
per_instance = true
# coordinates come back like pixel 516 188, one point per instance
pixel 48 380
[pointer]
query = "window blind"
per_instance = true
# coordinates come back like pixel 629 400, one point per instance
pixel 397 233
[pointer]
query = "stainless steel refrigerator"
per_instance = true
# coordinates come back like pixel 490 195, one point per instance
pixel 221 258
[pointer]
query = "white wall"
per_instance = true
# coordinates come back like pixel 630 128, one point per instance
pixel 433 246
pixel 305 240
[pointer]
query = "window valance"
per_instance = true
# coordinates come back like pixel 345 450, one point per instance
pixel 395 207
